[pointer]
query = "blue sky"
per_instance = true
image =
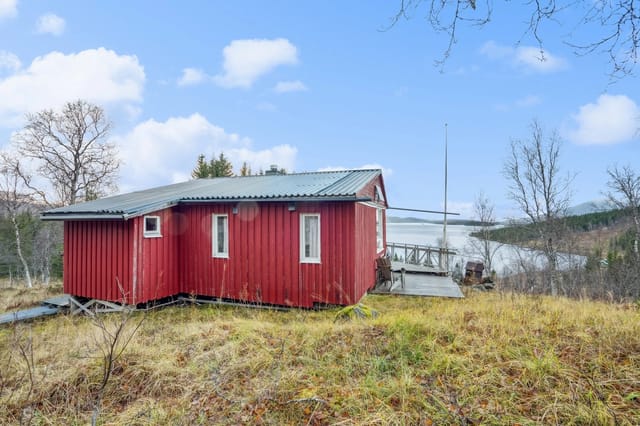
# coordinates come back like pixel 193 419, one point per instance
pixel 317 85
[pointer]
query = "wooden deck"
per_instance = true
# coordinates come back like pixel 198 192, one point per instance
pixel 419 281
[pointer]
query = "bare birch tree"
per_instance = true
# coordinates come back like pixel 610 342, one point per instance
pixel 71 152
pixel 15 200
pixel 624 193
pixel 481 245
pixel 540 191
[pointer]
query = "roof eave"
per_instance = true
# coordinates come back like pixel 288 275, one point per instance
pixel 81 216
pixel 129 215
pixel 107 215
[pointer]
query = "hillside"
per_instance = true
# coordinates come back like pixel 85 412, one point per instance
pixel 488 359
pixel 588 232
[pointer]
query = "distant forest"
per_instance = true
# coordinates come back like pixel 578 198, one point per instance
pixel 518 232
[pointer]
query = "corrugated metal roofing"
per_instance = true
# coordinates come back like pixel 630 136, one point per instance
pixel 316 186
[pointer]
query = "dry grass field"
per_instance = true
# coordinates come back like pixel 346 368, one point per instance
pixel 491 358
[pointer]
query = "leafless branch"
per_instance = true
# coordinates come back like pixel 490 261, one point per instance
pixel 115 334
pixel 620 20
pixel 543 195
pixel 15 200
pixel 624 192
pixel 482 245
pixel 71 152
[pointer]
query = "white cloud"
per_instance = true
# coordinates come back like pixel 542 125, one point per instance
pixel 97 75
pixel 290 86
pixel 8 8
pixel 284 156
pixel 9 61
pixel 157 153
pixel 492 50
pixel 611 119
pixel 247 60
pixel 191 77
pixel 529 58
pixel 50 23
pixel 539 60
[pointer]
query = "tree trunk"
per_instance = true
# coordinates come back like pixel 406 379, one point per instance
pixel 552 259
pixel 636 220
pixel 16 228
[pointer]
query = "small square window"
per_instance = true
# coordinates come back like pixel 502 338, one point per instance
pixel 152 226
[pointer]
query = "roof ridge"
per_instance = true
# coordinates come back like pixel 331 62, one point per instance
pixel 294 173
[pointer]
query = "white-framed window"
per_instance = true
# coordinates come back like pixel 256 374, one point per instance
pixel 220 235
pixel 310 238
pixel 151 227
pixel 379 229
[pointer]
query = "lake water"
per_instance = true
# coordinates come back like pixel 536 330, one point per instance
pixel 458 237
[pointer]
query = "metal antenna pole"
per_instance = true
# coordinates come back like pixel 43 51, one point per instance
pixel 444 229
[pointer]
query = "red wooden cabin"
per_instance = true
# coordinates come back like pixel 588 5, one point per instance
pixel 293 239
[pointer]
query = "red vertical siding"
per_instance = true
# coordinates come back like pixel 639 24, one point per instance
pixel 97 255
pixel 157 258
pixel 366 247
pixel 332 280
pixel 259 267
pixel 264 255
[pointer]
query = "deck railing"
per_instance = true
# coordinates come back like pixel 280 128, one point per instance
pixel 415 254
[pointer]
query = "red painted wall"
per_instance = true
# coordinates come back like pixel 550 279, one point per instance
pixel 96 255
pixel 259 266
pixel 365 248
pixel 156 261
pixel 264 255
pixel 332 280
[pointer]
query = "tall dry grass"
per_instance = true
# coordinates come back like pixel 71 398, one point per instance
pixel 15 298
pixel 488 359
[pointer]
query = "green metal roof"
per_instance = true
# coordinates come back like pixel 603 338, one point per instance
pixel 317 186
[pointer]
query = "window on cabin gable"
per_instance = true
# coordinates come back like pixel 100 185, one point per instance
pixel 220 235
pixel 310 238
pixel 379 229
pixel 151 227
pixel 378 196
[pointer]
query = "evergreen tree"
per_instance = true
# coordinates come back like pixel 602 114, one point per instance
pixel 202 168
pixel 223 168
pixel 216 167
pixel 213 168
